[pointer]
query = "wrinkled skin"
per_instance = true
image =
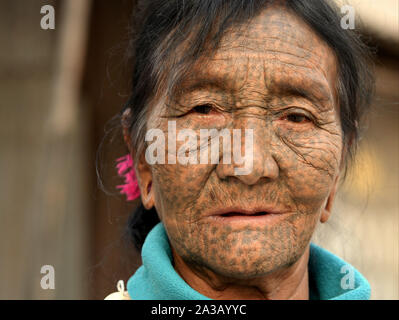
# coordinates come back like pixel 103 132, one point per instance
pixel 278 78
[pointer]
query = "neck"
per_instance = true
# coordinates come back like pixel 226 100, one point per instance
pixel 290 283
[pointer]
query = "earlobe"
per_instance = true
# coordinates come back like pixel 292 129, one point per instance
pixel 325 215
pixel 147 197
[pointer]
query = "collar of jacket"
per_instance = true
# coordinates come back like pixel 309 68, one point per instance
pixel 330 278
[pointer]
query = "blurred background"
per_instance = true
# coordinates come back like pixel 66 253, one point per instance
pixel 58 90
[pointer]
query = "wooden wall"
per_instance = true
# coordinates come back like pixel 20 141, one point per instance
pixel 42 176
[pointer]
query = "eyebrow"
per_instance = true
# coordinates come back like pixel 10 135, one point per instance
pixel 316 96
pixel 193 84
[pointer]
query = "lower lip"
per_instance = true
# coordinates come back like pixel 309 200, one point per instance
pixel 268 218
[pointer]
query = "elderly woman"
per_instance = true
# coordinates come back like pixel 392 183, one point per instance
pixel 290 76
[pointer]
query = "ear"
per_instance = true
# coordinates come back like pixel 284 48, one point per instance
pixel 144 177
pixel 143 170
pixel 325 215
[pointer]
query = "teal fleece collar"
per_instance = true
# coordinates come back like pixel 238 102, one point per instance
pixel 156 279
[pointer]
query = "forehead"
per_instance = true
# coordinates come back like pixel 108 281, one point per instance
pixel 275 50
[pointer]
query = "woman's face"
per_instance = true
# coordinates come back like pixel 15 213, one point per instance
pixel 277 78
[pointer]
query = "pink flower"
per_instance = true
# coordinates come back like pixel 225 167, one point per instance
pixel 126 170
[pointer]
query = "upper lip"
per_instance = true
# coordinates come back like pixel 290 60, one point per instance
pixel 247 210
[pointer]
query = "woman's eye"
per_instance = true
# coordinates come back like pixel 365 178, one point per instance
pixel 297 118
pixel 203 108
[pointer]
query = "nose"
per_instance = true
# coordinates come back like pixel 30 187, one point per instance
pixel 263 164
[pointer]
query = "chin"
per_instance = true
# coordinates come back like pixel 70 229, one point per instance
pixel 253 269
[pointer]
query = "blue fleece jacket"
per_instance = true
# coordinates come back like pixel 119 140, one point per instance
pixel 156 279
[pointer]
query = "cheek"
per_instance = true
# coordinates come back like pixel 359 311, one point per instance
pixel 179 186
pixel 177 189
pixel 310 163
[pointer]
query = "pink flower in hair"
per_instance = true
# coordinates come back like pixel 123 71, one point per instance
pixel 126 170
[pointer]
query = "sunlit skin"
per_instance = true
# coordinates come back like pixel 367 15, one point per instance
pixel 278 78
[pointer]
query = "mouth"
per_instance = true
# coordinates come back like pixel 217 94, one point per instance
pixel 246 211
pixel 235 214
pixel 239 215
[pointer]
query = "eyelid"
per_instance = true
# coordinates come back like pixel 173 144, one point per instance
pixel 203 104
pixel 214 106
pixel 190 109
pixel 299 111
